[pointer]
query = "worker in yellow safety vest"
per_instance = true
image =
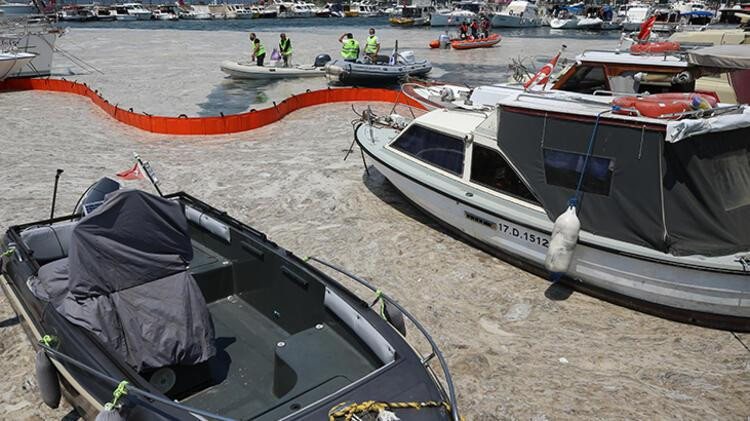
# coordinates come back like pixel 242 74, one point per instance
pixel 350 47
pixel 285 48
pixel 259 52
pixel 372 45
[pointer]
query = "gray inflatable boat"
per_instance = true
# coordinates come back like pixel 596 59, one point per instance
pixel 383 71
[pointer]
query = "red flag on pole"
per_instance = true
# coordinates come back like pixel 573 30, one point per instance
pixel 131 174
pixel 646 28
pixel 544 73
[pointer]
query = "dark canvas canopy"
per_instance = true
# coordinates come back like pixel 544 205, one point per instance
pixel 684 198
pixel 125 280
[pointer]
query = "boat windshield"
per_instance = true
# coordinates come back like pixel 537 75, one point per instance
pixel 434 148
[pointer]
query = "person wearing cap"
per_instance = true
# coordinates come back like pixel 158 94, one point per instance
pixel 350 47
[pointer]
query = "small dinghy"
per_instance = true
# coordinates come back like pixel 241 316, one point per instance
pixel 247 70
pixel 476 43
pixel 385 70
pixel 185 312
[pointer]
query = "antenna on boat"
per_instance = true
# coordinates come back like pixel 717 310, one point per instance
pixel 146 166
pixel 54 193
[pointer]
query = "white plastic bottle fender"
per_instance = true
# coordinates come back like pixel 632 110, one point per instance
pixel 563 242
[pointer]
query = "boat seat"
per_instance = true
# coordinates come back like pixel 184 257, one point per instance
pixel 50 242
pixel 313 358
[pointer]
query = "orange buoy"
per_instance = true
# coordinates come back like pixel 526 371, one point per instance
pixel 476 43
pixel 662 105
pixel 434 44
pixel 654 47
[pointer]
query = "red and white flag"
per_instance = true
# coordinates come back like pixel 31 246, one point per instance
pixel 134 173
pixel 542 76
pixel 646 28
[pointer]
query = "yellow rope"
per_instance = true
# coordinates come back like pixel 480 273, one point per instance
pixel 348 411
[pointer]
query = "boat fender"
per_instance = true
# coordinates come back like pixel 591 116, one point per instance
pixel 110 415
pixel 563 242
pixel 46 378
pixel 435 43
pixel 395 318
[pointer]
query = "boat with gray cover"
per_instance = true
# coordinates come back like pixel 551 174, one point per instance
pixel 204 318
pixel 384 71
pixel 662 203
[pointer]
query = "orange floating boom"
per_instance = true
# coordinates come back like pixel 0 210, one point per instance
pixel 213 125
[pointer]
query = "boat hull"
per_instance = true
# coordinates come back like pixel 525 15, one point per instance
pixel 478 43
pixel 688 294
pixel 506 21
pixel 37 41
pixel 248 71
pixel 10 65
pixel 373 74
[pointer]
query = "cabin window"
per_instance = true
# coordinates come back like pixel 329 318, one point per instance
pixel 444 152
pixel 586 80
pixel 564 169
pixel 491 170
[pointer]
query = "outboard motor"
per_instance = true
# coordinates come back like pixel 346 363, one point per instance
pixel 408 57
pixel 94 196
pixel 321 60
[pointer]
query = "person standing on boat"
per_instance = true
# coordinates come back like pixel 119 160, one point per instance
pixel 372 45
pixel 474 29
pixel 285 48
pixel 259 52
pixel 463 29
pixel 485 27
pixel 350 47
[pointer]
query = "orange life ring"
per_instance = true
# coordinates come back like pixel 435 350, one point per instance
pixel 434 44
pixel 654 47
pixel 660 105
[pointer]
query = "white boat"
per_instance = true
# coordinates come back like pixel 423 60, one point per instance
pixel 164 12
pixel 11 63
pixel 76 13
pixel 137 10
pixel 38 39
pixel 196 12
pixel 589 23
pixel 243 12
pixel 451 17
pixel 518 14
pixel 564 22
pixel 675 245
pixel 120 13
pixel 244 70
pixel 634 17
pixel 17 8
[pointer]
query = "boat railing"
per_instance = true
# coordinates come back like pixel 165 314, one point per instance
pixel 436 353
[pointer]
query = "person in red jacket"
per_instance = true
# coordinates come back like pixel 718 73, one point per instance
pixel 463 29
pixel 474 28
pixel 485 27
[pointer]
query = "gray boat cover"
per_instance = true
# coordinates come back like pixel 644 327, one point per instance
pixel 126 281
pixel 721 57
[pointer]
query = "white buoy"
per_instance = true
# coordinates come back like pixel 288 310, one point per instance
pixel 563 242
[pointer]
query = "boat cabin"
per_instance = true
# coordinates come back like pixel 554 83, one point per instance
pixel 665 185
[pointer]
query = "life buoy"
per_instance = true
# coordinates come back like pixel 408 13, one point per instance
pixel 660 105
pixel 434 44
pixel 654 47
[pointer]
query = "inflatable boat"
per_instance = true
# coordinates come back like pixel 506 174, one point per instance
pixel 251 71
pixel 476 43
pixel 384 70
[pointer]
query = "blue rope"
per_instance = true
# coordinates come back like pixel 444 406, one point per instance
pixel 573 201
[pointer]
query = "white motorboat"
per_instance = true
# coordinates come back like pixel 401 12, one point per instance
pixel 11 63
pixel 244 70
pixel 243 12
pixel 634 17
pixel 76 13
pixel 662 204
pixel 17 8
pixel 196 12
pixel 137 10
pixel 518 14
pixel 448 17
pixel 164 12
pixel 120 12
pixel 38 39
pixel 570 22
